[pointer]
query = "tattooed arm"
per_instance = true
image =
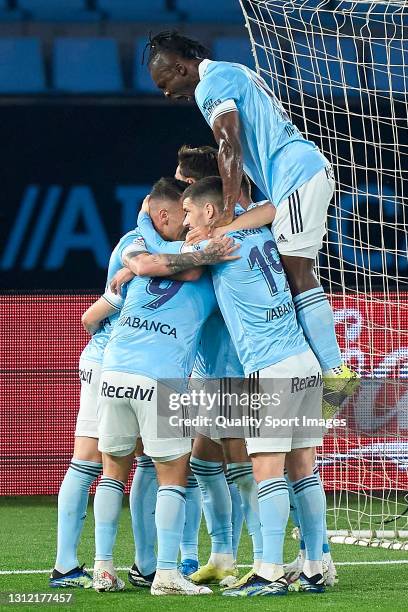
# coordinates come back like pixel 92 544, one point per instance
pixel 217 250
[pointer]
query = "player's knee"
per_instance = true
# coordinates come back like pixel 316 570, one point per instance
pixel 267 465
pixel 117 466
pixel 300 463
pixel 172 469
pixel 86 449
pixel 206 449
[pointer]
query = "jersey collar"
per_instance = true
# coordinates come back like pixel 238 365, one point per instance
pixel 202 67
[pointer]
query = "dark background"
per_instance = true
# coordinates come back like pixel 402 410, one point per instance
pixel 74 172
pixel 97 161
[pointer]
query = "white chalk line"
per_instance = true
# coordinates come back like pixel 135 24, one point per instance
pixel 123 569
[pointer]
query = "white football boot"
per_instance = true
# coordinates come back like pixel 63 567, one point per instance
pixel 171 582
pixel 105 579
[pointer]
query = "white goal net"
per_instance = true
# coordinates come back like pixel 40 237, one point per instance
pixel 341 70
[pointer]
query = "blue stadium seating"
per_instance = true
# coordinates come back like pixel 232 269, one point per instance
pixel 58 10
pixel 204 11
pixel 320 70
pixel 395 77
pixel 87 65
pixel 137 10
pixel 21 66
pixel 233 49
pixel 142 81
pixel 238 49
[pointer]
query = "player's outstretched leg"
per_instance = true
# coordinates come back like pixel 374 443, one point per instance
pixel 72 506
pixel 170 519
pixel 142 501
pixel 217 509
pixel 189 541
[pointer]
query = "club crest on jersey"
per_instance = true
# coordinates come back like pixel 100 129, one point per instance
pixel 155 326
pixel 299 384
pixel 139 241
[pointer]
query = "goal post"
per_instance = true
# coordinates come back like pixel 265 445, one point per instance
pixel 340 68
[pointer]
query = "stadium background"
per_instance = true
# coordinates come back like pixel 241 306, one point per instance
pixel 84 135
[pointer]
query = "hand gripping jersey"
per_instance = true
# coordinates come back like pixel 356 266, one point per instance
pixel 95 348
pixel 276 156
pixel 159 327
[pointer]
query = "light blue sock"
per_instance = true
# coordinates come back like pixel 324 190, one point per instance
pixel 293 511
pixel 72 505
pixel 107 507
pixel 170 519
pixel 216 503
pixel 243 477
pixel 326 545
pixel 142 501
pixel 273 497
pixel 189 541
pixel 315 315
pixel 237 516
pixel 310 506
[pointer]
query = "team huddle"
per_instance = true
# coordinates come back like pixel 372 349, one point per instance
pixel 209 289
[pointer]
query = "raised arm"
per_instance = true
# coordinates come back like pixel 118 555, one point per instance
pixel 216 251
pixel 226 132
pixel 260 215
pixel 252 219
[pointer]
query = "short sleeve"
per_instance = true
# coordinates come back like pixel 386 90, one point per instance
pixel 216 94
pixel 136 245
pixel 257 204
pixel 114 300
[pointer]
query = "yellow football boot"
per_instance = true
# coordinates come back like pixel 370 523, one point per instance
pixel 210 574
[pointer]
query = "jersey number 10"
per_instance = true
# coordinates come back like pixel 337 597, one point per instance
pixel 268 263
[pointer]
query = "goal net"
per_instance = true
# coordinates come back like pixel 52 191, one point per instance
pixel 340 69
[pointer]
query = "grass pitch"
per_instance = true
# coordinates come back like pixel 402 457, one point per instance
pixel 28 541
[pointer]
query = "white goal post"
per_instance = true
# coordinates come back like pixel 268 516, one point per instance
pixel 340 69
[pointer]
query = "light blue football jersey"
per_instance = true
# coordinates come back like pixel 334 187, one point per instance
pixel 95 348
pixel 159 327
pixel 276 156
pixel 256 303
pixel 253 295
pixel 216 356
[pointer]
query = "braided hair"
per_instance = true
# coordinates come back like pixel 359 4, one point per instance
pixel 173 41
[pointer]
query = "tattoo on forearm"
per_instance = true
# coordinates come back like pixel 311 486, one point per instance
pixel 212 253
